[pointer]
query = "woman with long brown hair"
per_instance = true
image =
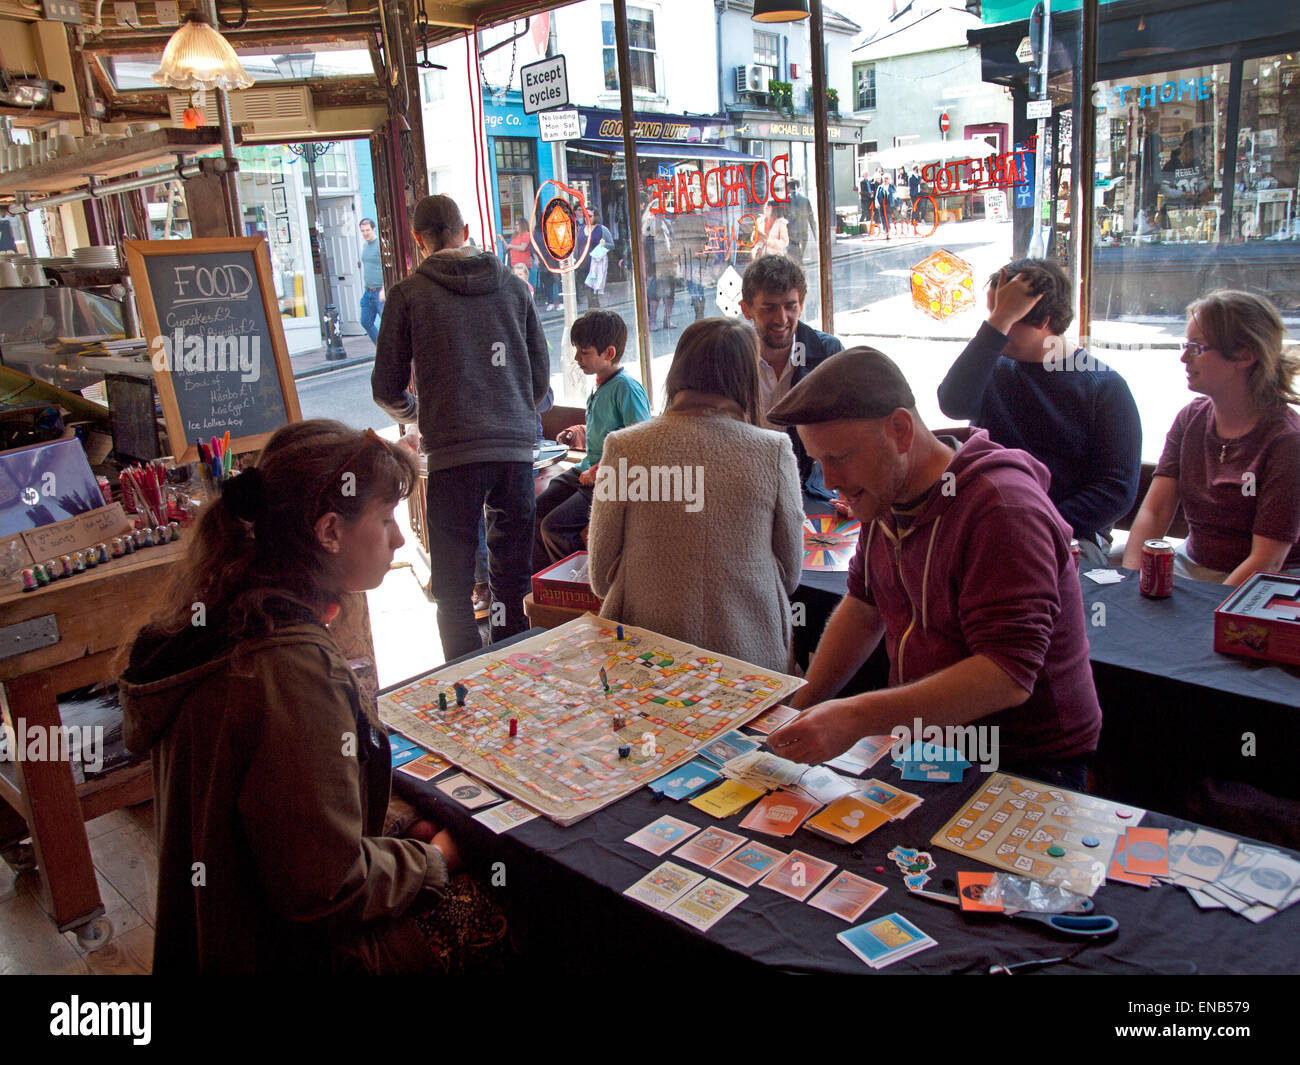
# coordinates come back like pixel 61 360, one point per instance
pixel 270 780
pixel 696 524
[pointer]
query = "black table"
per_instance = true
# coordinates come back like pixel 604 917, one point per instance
pixel 566 885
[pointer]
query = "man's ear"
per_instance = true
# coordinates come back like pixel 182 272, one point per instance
pixel 464 237
pixel 744 307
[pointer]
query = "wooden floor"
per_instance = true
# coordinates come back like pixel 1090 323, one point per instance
pixel 126 864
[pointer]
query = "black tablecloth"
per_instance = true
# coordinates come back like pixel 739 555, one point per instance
pixel 566 884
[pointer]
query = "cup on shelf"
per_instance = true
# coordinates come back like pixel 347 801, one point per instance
pixel 9 274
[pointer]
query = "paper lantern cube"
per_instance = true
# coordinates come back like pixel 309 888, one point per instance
pixel 942 285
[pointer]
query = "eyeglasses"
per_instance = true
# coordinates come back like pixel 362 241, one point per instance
pixel 1196 347
pixel 370 436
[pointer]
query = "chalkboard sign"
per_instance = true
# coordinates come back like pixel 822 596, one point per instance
pixel 215 340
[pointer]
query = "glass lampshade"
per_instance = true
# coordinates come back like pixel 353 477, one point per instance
pixel 198 57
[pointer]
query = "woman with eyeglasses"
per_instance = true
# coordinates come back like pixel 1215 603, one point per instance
pixel 271 781
pixel 1232 458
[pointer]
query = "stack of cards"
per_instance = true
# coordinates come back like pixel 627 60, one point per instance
pixel 426 767
pixel 823 785
pixel 1220 872
pixel 895 802
pixel 779 814
pixel 862 755
pixel 848 820
pixel 847 896
pixel 467 791
pixel 686 781
pixel 885 940
pixel 747 864
pixel 729 797
pixel 728 746
pixel 403 750
pixel 759 769
pixel 770 720
pixel 505 817
pixel 929 761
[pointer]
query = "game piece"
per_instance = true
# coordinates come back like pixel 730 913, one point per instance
pixel 848 820
pixel 862 755
pixel 729 797
pixel 847 896
pixel 880 869
pixel 624 749
pixel 886 940
pixel 1091 841
pixel 1124 814
pixel 748 863
pixel 779 814
pixel 467 791
pixel 659 837
pixel 604 680
pixel 916 865
pixel 798 875
pixel 685 781
pixel 461 692
pixel 1010 823
pixel 514 726
pixel 663 885
pixel 619 633
pixel 774 719
pixel 709 847
pixel 442 702
pixel 705 905
pixel 505 817
pixel 725 748
pixel 1056 850
pixel 895 802
pixel 681 695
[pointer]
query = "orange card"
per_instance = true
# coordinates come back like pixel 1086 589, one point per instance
pixel 1146 851
pixel 971 892
pixel 1119 874
pixel 848 819
pixel 779 814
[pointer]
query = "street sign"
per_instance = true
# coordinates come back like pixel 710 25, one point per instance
pixel 943 122
pixel 559 125
pixel 1025 52
pixel 618 170
pixel 1035 109
pixel 544 84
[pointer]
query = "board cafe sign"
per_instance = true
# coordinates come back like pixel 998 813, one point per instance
pixel 731 185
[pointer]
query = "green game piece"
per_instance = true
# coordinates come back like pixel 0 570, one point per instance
pixel 1056 850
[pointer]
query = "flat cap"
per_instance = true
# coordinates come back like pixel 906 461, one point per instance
pixel 856 383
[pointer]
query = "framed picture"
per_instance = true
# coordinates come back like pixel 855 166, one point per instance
pixel 283 234
pixel 278 201
pixel 277 170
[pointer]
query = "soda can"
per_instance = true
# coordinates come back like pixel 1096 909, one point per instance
pixel 1076 551
pixel 105 489
pixel 1157 577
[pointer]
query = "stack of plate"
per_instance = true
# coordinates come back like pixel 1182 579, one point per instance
pixel 96 257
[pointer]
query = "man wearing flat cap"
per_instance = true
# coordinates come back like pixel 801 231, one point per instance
pixel 963 566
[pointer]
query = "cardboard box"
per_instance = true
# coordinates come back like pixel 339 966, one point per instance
pixel 566 584
pixel 1261 619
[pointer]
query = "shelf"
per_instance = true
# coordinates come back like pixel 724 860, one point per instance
pixel 158 147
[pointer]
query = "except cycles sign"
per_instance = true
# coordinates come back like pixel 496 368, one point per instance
pixel 544 84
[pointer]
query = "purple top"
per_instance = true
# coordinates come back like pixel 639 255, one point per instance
pixel 1232 490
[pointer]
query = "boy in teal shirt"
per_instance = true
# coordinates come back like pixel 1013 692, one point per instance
pixel 564 509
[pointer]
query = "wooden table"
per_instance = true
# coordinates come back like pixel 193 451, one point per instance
pixel 54 640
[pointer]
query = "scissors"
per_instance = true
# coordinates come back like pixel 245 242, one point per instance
pixel 1088 926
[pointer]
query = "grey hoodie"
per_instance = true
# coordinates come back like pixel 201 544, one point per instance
pixel 469 328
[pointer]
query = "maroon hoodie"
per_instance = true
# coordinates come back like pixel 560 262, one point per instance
pixel 985 568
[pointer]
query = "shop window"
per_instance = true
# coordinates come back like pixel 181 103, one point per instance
pixel 514 153
pixel 1268 151
pixel 1160 157
pixel 641 48
pixel 432 87
pixel 767 49
pixel 866 77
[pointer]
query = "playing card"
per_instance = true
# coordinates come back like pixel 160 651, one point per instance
pixel 862 755
pixel 848 820
pixel 1270 879
pixel 748 863
pixel 407 754
pixel 663 885
pixel 798 875
pixel 505 817
pixel 779 814
pixel 709 847
pixel 760 769
pixel 729 797
pixel 1119 874
pixel 823 785
pixel 706 904
pixel 896 802
pixel 659 837
pixel 728 746
pixel 970 890
pixel 467 791
pixel 426 768
pixel 1146 851
pixel 885 940
pixel 847 896
pixel 1206 855
pixel 773 719
pixel 686 780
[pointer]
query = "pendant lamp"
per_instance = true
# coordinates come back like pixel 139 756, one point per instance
pixel 780 10
pixel 198 57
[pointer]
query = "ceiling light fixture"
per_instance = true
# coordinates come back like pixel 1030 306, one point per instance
pixel 780 10
pixel 198 57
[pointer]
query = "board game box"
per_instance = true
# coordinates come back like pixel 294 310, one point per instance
pixel 566 584
pixel 1040 831
pixel 595 717
pixel 1261 619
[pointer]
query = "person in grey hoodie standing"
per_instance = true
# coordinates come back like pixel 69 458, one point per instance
pixel 470 331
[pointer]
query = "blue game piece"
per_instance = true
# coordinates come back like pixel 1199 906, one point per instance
pixel 1091 841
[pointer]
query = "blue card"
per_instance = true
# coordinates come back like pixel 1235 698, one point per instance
pixel 885 939
pixel 685 781
pixel 729 746
pixel 407 754
pixel 935 772
pixel 931 752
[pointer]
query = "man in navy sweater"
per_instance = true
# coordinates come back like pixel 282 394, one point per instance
pixel 1071 412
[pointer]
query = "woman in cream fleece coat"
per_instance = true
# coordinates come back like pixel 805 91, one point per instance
pixel 696 525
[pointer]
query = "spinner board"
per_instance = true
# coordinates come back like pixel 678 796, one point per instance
pixel 829 541
pixel 1011 823
pixel 564 760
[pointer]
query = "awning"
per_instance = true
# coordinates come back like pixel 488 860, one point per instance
pixel 662 150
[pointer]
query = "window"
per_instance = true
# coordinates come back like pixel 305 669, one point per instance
pixel 516 180
pixel 514 153
pixel 866 88
pixel 641 47
pixel 1268 155
pixel 767 48
pixel 431 85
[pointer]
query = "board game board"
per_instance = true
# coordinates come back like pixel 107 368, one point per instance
pixel 1011 823
pixel 829 541
pixel 564 760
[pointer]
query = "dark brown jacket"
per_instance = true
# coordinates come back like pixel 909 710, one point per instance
pixel 270 788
